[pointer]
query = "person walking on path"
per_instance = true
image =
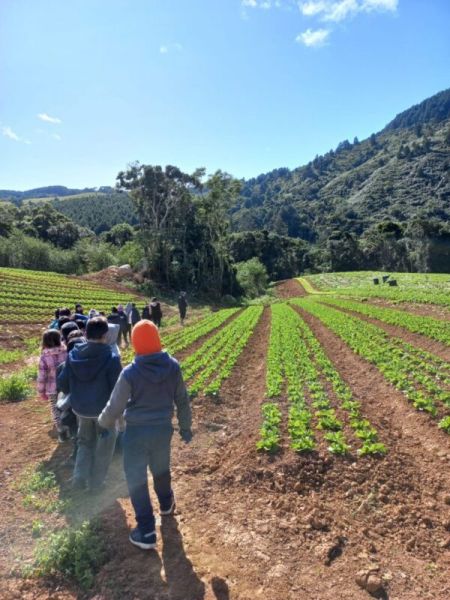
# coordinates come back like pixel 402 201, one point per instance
pixel 89 376
pixel 53 354
pixel 182 306
pixel 123 322
pixel 155 312
pixel 148 390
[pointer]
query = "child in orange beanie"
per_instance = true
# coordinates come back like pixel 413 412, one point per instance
pixel 148 390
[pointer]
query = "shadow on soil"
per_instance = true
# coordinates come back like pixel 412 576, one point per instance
pixel 131 572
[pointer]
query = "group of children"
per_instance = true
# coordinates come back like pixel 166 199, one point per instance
pixel 90 394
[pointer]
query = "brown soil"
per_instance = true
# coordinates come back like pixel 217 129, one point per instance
pixel 252 526
pixel 424 310
pixel 415 339
pixel 290 288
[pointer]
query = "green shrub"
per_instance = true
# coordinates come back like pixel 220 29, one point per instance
pixel 252 277
pixel 73 553
pixel 14 388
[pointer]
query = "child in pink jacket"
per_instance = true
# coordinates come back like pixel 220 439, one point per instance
pixel 53 354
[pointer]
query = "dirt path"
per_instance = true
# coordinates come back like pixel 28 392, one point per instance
pixel 290 288
pixel 250 525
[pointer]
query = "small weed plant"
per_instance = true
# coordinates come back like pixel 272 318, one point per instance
pixel 14 388
pixel 74 553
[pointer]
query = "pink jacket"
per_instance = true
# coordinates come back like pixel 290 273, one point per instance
pixel 51 358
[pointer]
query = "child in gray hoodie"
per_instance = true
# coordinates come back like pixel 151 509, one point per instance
pixel 148 390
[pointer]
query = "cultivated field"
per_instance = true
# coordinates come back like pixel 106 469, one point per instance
pixel 319 467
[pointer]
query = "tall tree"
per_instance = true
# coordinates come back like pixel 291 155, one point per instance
pixel 158 193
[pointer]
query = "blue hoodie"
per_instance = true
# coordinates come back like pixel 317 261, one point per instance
pixel 89 375
pixel 148 390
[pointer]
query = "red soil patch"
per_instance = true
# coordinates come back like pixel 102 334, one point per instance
pixel 290 288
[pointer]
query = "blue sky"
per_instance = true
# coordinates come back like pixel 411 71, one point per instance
pixel 242 85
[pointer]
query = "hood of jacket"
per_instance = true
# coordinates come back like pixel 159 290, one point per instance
pixel 86 360
pixel 154 368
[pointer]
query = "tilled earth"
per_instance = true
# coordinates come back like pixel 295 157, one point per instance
pixel 254 526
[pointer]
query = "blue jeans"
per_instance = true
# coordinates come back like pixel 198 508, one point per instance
pixel 147 446
pixel 94 452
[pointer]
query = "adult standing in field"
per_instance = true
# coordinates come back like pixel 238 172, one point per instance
pixel 155 312
pixel 148 390
pixel 89 376
pixel 146 312
pixel 182 306
pixel 135 316
pixel 123 322
pixel 128 309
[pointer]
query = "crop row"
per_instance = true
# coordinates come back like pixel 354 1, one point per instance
pixel 421 376
pixel 183 338
pixel 212 363
pixel 296 358
pixel 433 328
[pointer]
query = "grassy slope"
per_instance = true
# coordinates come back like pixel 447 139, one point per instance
pixel 412 287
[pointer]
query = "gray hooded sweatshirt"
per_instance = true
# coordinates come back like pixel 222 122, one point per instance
pixel 148 390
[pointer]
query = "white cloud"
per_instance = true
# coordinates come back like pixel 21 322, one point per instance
pixel 313 37
pixel 264 4
pixel 338 10
pixel 9 133
pixel 48 119
pixel 166 48
pixel 309 9
pixel 12 135
pixel 56 137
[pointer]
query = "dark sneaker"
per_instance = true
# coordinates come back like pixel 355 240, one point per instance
pixel 63 436
pixel 145 541
pixel 164 512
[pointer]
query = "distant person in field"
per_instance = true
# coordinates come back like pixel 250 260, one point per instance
pixel 182 306
pixel 62 321
pixel 66 329
pixel 146 312
pixel 155 312
pixel 128 309
pixel 148 390
pixel 89 376
pixel 134 317
pixel 54 323
pixel 123 332
pixel 79 314
pixel 53 354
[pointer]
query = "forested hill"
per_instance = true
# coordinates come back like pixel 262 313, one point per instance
pixel 49 191
pixel 399 173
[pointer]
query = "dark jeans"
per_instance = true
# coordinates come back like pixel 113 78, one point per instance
pixel 147 446
pixel 123 335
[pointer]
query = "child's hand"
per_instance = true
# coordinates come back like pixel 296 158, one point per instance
pixel 186 435
pixel 103 433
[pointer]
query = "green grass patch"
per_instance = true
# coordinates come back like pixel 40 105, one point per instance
pixel 40 490
pixel 9 356
pixel 14 388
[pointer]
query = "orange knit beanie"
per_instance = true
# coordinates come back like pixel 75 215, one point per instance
pixel 145 338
